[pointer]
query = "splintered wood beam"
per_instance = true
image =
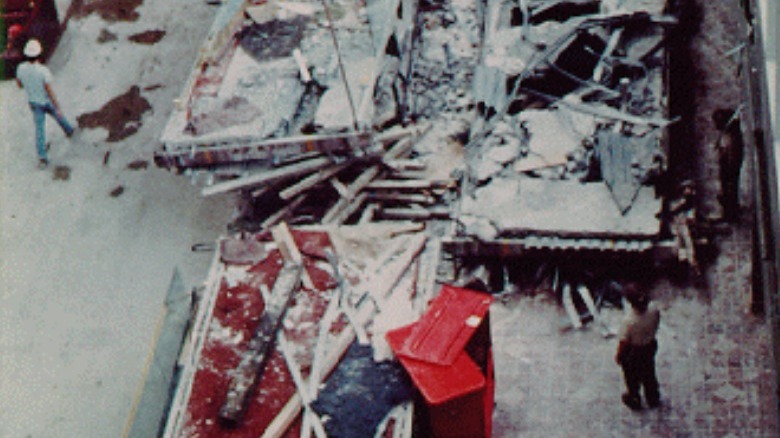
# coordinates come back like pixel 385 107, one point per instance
pixel 568 305
pixel 405 164
pixel 405 213
pixel 353 189
pixel 311 181
pixel 587 298
pixel 250 369
pixel 368 214
pixel 284 212
pixel 300 385
pixel 398 150
pixel 269 176
pixel 352 207
pixel 397 134
pixel 408 184
pixel 411 198
pixel 290 252
pixel 598 71
pixel 340 188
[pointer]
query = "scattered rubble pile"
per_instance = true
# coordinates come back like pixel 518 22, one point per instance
pixel 394 134
pixel 569 144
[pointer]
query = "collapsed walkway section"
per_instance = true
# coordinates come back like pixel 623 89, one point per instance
pixel 538 125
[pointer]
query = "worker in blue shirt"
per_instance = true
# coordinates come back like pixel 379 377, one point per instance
pixel 36 79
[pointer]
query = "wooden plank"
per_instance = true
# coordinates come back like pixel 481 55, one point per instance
pixel 392 135
pixel 415 213
pixel 606 331
pixel 283 213
pixel 411 198
pixel 598 71
pixel 345 306
pixel 290 252
pixel 265 177
pixel 356 186
pixel 568 305
pixel 402 164
pixel 352 207
pixel 249 371
pixel 339 186
pixel 300 385
pixel 368 214
pixel 400 148
pixel 311 181
pixel 412 184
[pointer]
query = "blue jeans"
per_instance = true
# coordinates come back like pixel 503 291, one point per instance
pixel 39 117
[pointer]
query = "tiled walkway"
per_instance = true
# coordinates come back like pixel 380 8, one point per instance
pixel 714 364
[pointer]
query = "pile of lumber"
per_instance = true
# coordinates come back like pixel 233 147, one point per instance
pixel 279 311
pixel 383 184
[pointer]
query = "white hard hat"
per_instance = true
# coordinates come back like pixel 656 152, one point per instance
pixel 33 49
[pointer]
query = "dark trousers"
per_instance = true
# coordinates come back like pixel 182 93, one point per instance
pixel 639 371
pixel 729 197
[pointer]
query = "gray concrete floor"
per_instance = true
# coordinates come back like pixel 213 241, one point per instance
pixel 714 364
pixel 83 275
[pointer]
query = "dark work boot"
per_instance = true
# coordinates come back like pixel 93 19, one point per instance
pixel 633 403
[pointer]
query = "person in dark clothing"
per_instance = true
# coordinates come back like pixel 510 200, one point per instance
pixel 730 146
pixel 637 348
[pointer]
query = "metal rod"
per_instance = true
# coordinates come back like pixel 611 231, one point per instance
pixel 341 65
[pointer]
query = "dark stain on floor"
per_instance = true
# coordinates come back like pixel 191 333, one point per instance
pixel 61 173
pixel 121 116
pixel 138 165
pixel 109 10
pixel 118 190
pixel 106 36
pixel 149 37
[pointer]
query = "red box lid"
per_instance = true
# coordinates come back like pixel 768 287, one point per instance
pixel 444 330
pixel 438 383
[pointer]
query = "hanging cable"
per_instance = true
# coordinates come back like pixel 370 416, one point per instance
pixel 341 64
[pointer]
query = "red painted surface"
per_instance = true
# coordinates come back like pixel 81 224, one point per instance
pixel 457 394
pixel 439 383
pixel 237 311
pixel 446 327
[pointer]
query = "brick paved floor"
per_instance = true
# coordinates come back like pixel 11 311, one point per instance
pixel 714 363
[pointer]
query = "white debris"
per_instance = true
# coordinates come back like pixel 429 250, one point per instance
pixel 480 227
pixel 235 274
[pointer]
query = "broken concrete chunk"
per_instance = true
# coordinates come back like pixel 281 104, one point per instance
pixel 506 152
pixel 485 169
pixel 338 105
pixel 551 139
pixel 480 227
pixel 242 252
